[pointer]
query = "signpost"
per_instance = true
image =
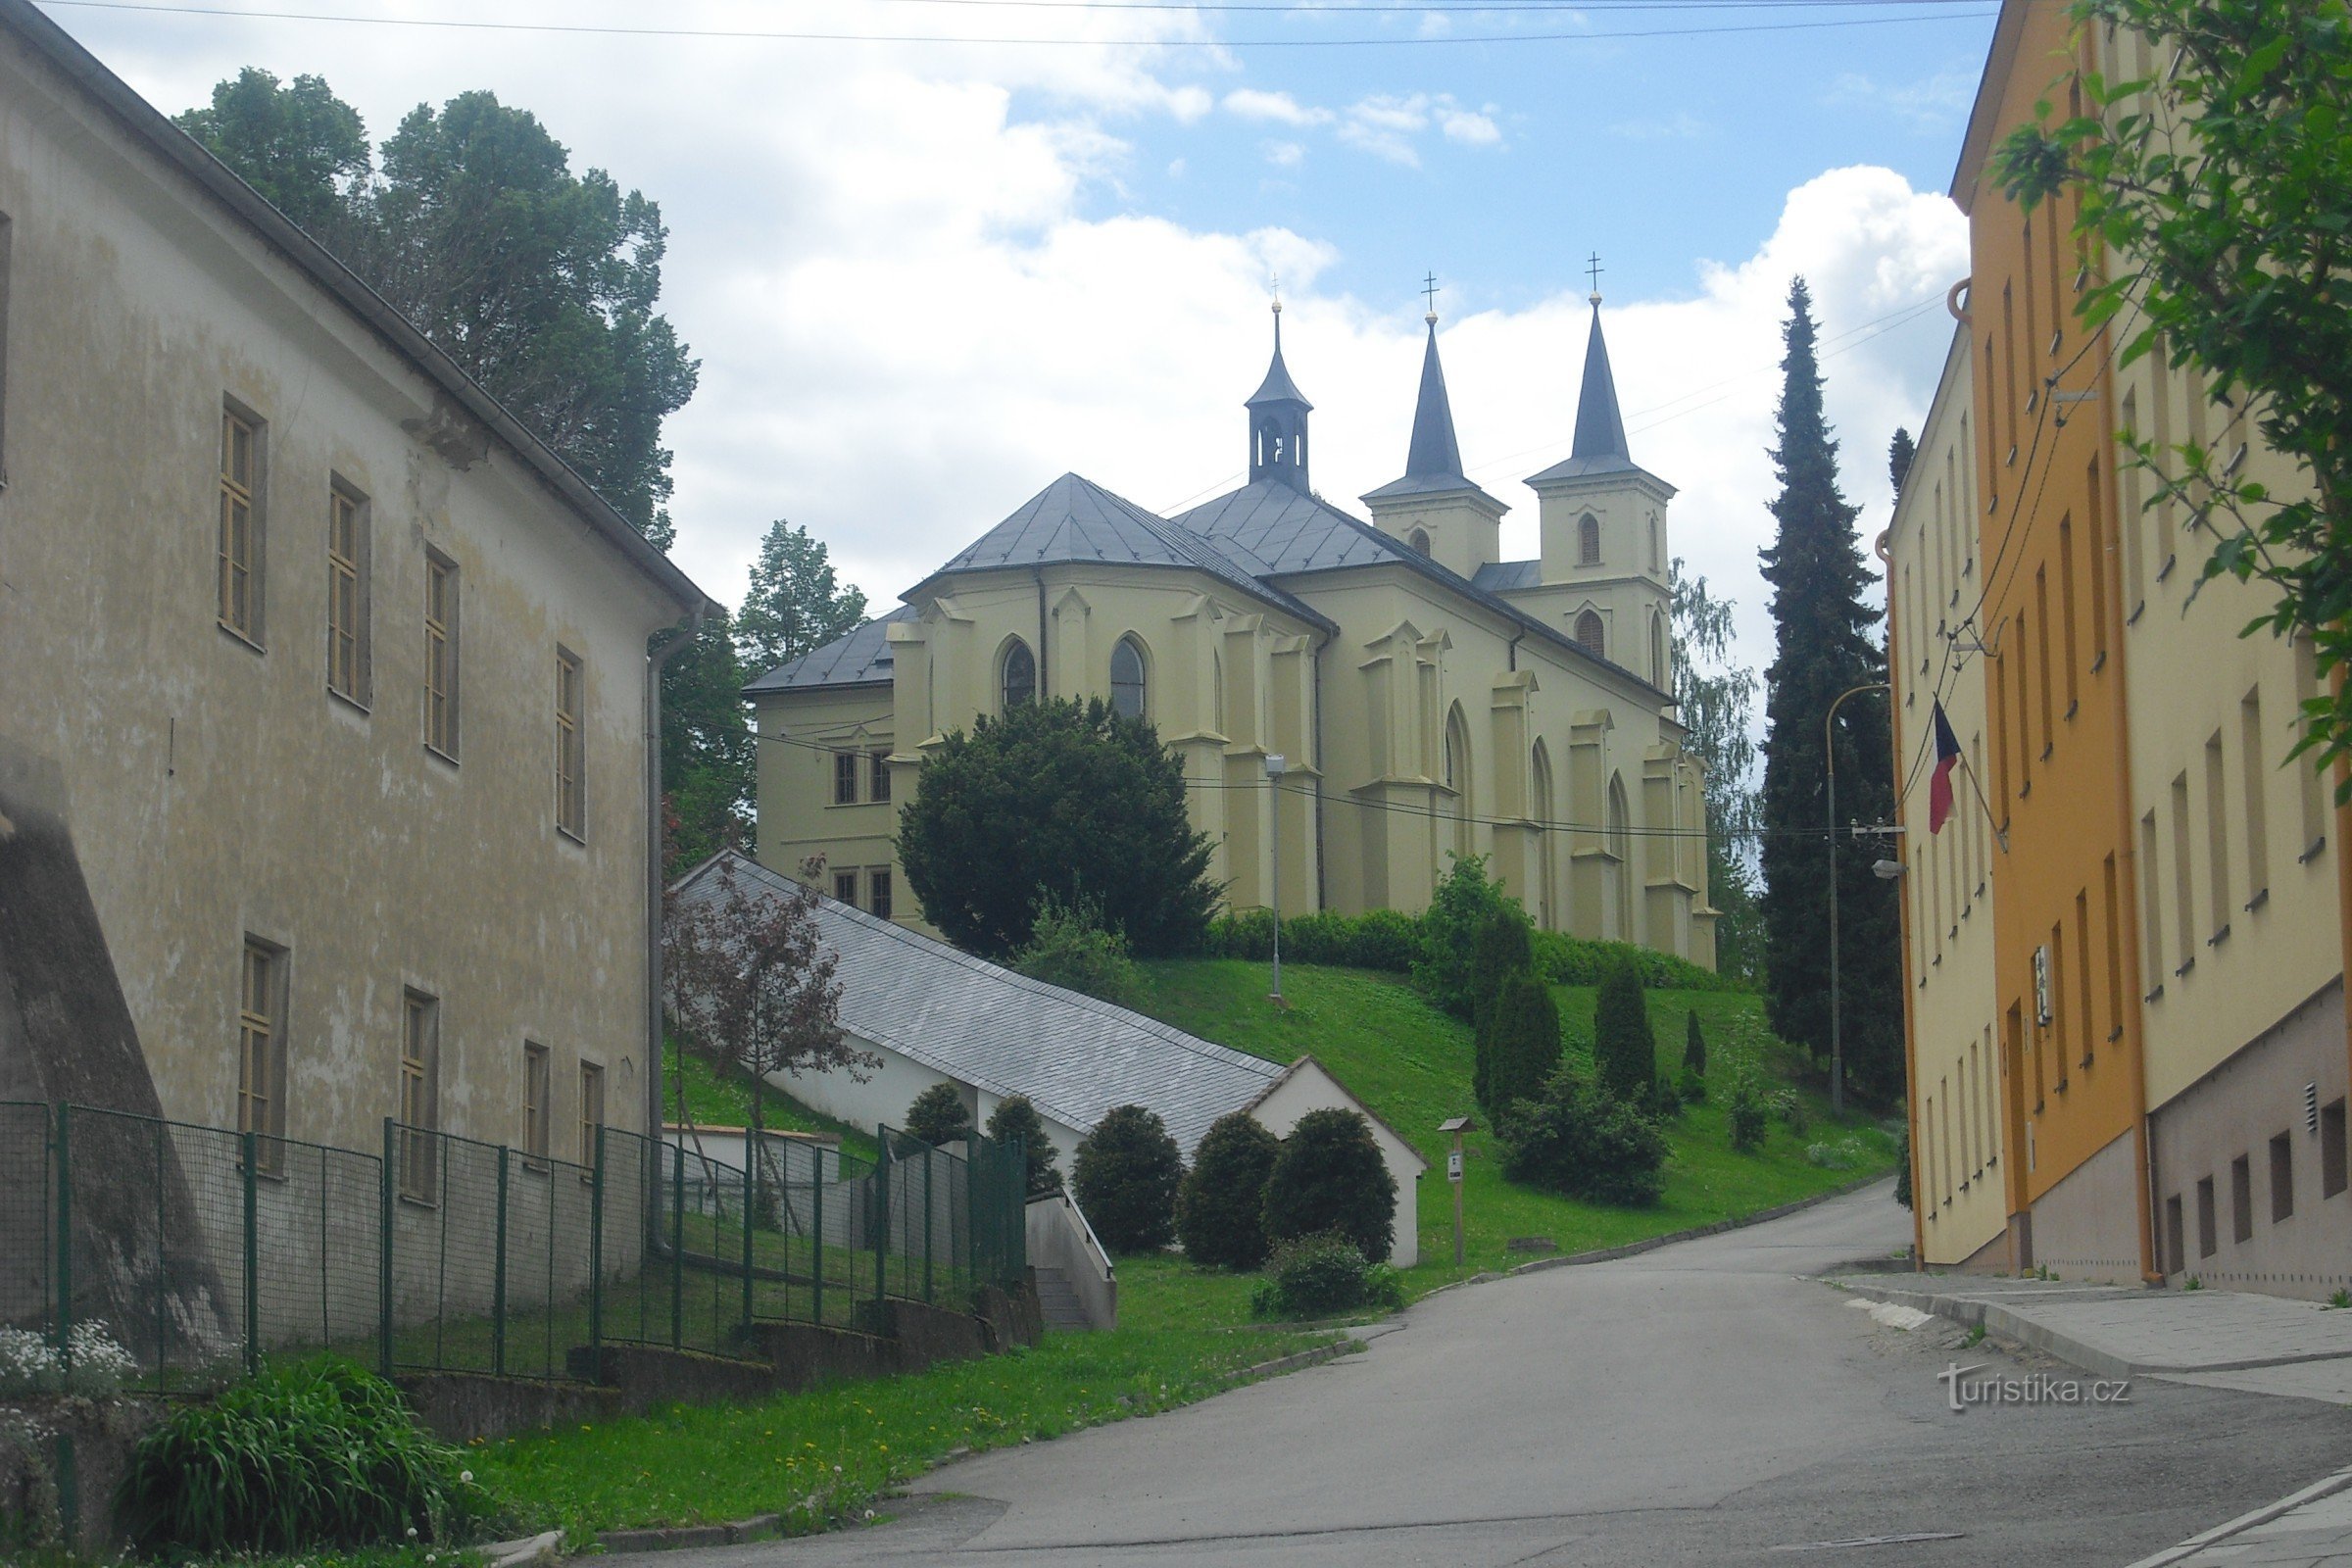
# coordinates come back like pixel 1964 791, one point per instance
pixel 1457 1126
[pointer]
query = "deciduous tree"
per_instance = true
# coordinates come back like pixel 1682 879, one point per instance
pixel 794 604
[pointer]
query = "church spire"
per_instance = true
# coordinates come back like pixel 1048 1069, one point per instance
pixel 1278 412
pixel 1434 453
pixel 1599 427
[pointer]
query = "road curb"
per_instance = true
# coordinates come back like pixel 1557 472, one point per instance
pixel 675 1537
pixel 1995 1319
pixel 2327 1487
pixel 1608 1254
pixel 1298 1359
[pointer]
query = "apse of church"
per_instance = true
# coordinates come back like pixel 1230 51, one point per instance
pixel 1430 699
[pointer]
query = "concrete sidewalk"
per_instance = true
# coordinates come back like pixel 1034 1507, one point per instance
pixel 2212 1339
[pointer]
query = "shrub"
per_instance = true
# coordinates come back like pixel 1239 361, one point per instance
pixel 1125 1178
pixel 1015 1118
pixel 1790 1108
pixel 1745 1113
pixel 1330 1177
pixel 1567 960
pixel 1902 1163
pixel 1624 1053
pixel 1579 1139
pixel 1843 1154
pixel 1317 1276
pixel 1463 902
pixel 1665 1100
pixel 938 1117
pixel 1691 1088
pixel 1221 1206
pixel 1378 939
pixel 320 1454
pixel 1499 951
pixel 1525 1048
pixel 1694 1048
pixel 1070 946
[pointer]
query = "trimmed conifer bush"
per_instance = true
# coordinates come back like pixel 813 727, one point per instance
pixel 1579 1139
pixel 1694 1046
pixel 1221 1205
pixel 1525 1048
pixel 1125 1179
pixel 938 1117
pixel 1624 1053
pixel 1330 1177
pixel 1015 1118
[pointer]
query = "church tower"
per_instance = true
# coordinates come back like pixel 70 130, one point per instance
pixel 1435 508
pixel 1278 412
pixel 1602 526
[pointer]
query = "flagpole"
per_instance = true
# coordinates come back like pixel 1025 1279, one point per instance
pixel 2000 834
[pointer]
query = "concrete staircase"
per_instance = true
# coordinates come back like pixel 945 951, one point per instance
pixel 1058 1300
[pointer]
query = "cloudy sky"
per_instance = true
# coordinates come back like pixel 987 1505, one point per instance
pixel 932 265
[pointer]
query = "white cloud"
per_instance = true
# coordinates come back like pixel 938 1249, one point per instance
pixel 1477 129
pixel 1280 108
pixel 1928 105
pixel 1284 154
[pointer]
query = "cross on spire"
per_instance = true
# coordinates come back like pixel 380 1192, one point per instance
pixel 1593 269
pixel 1428 290
pixel 1274 287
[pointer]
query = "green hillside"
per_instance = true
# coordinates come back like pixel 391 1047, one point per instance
pixel 1411 1066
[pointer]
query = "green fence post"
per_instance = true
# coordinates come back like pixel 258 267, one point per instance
pixel 253 1262
pixel 816 1240
pixel 384 1327
pixel 65 1226
pixel 929 1163
pixel 595 1262
pixel 498 1277
pixel 881 1236
pixel 677 1245
pixel 751 1205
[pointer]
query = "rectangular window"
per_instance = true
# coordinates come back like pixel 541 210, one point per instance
pixel 2176 1245
pixel 2331 1149
pixel 347 551
pixel 1989 1093
pixel 845 887
pixel 2131 521
pixel 592 1108
pixel 571 746
pixel 240 544
pixel 877 897
pixel 2009 381
pixel 879 761
pixel 2207 1241
pixel 2041 653
pixel 2241 1200
pixel 2256 814
pixel 2025 276
pixel 1999 684
pixel 2053 1035
pixel 2282 1178
pixel 441 654
pixel 2184 903
pixel 2096 559
pixel 2112 910
pixel 2216 841
pixel 534 1101
pixel 2160 400
pixel 2083 1019
pixel 2024 712
pixel 261 1053
pixel 2066 609
pixel 420 1098
pixel 2310 780
pixel 2151 903
pixel 6 237
pixel 845 778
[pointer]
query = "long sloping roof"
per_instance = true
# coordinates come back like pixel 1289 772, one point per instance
pixel 176 148
pixel 1074 1057
pixel 860 656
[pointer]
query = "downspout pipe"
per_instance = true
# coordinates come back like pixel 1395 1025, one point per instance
pixel 677 638
pixel 1314 675
pixel 1044 691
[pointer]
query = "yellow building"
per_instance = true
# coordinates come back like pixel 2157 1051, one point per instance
pixel 2169 942
pixel 1430 698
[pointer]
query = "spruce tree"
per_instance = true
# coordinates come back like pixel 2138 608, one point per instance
pixel 1523 1042
pixel 1625 1052
pixel 1502 950
pixel 1826 648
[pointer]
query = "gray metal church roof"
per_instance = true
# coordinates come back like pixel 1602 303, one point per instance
pixel 1498 575
pixel 858 658
pixel 1433 462
pixel 1075 1057
pixel 1600 424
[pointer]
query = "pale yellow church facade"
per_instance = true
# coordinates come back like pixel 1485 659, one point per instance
pixel 1428 699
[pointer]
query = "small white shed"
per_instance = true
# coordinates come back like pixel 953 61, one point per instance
pixel 933 1013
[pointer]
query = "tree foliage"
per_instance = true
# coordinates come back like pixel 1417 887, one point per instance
pixel 1625 1049
pixel 1125 1180
pixel 938 1115
pixel 1465 901
pixel 1017 1118
pixel 1070 946
pixel 2219 202
pixel 1056 799
pixel 1826 648
pixel 1576 1138
pixel 1902 453
pixel 707 760
pixel 1221 1206
pixel 1716 696
pixel 794 604
pixel 1503 948
pixel 1330 1177
pixel 300 146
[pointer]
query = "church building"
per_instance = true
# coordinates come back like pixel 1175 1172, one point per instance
pixel 1426 697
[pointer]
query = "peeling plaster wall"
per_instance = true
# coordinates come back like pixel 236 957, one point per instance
pixel 216 789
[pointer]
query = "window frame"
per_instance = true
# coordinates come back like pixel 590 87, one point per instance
pixel 877 778
pixel 848 879
pixel 419 1118
pixel 238 551
pixel 845 777
pixel 878 891
pixel 592 1108
pixel 1015 648
pixel 1128 647
pixel 350 526
pixel 571 744
pixel 1587 540
pixel 444 631
pixel 262 1036
pixel 538 1083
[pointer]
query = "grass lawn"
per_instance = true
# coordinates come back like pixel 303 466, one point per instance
pixel 718 1097
pixel 823 1457
pixel 1411 1064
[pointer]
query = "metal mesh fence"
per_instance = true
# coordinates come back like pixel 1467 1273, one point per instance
pixel 200 1249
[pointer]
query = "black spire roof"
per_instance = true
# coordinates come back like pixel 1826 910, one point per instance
pixel 1599 426
pixel 1434 463
pixel 1278 387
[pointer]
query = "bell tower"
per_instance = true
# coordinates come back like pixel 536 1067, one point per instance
pixel 1278 412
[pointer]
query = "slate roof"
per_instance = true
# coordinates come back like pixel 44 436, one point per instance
pixel 1600 424
pixel 1496 576
pixel 1073 519
pixel 860 657
pixel 1075 1057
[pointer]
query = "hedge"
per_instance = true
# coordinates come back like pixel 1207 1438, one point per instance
pixel 1388 941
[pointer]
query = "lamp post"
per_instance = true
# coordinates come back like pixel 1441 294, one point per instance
pixel 1276 764
pixel 1828 752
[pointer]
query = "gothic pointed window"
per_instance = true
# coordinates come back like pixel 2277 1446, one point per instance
pixel 1420 540
pixel 1019 676
pixel 1657 653
pixel 1589 633
pixel 1127 679
pixel 1587 540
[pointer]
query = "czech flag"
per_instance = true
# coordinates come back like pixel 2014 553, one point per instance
pixel 1939 783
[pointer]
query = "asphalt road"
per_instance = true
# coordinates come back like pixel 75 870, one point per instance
pixel 1701 1403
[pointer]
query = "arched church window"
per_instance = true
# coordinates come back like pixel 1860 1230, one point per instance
pixel 1127 679
pixel 1587 540
pixel 1018 679
pixel 1419 541
pixel 1589 633
pixel 1656 562
pixel 1657 653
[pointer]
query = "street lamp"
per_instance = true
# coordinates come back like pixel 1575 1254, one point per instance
pixel 1276 764
pixel 1828 752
